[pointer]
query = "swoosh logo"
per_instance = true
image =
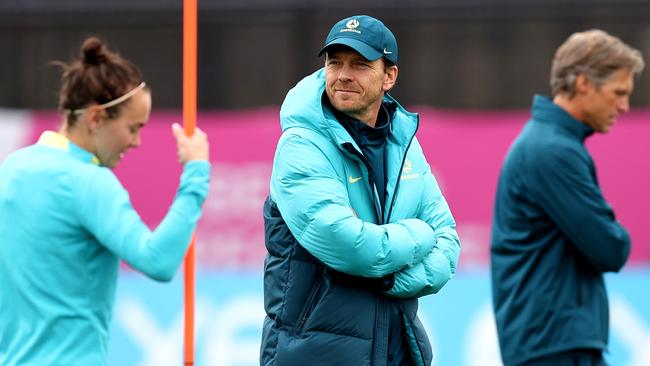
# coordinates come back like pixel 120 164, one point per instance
pixel 387 52
pixel 353 180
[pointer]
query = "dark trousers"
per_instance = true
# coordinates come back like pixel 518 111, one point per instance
pixel 571 358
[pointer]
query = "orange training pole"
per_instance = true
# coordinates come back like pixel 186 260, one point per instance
pixel 189 123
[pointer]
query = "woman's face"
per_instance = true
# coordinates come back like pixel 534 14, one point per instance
pixel 113 137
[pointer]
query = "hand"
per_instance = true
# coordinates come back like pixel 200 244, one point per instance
pixel 195 147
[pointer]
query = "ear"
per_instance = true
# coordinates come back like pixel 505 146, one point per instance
pixel 583 84
pixel 390 77
pixel 96 117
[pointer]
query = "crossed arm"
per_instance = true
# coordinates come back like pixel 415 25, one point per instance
pixel 314 202
pixel 439 266
pixel 576 204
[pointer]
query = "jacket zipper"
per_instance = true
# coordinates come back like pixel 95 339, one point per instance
pixel 309 305
pixel 380 217
pixel 399 173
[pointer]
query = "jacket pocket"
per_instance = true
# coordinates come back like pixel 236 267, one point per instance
pixel 417 354
pixel 309 306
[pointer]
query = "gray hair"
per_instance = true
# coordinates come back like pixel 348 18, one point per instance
pixel 595 54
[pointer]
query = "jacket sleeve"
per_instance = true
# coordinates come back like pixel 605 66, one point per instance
pixel 106 212
pixel 439 266
pixel 314 203
pixel 567 189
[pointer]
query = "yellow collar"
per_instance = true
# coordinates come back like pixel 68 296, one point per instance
pixel 58 141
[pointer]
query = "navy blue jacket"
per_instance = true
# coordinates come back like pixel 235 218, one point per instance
pixel 319 316
pixel 553 236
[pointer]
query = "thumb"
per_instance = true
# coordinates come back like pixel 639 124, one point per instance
pixel 177 130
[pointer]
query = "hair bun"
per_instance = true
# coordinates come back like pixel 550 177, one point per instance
pixel 93 52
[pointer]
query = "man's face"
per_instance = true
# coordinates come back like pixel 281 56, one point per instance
pixel 354 85
pixel 602 105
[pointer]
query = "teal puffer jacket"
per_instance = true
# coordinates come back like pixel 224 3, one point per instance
pixel 321 187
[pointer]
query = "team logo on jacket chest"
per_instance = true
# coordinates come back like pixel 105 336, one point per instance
pixel 406 171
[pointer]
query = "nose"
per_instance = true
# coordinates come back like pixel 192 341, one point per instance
pixel 345 73
pixel 136 141
pixel 624 105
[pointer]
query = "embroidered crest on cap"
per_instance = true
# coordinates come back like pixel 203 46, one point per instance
pixel 352 23
pixel 351 26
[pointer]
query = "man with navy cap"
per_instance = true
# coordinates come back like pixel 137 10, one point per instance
pixel 356 226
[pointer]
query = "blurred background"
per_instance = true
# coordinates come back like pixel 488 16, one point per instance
pixel 468 67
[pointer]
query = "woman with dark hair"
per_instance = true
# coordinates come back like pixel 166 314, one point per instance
pixel 66 221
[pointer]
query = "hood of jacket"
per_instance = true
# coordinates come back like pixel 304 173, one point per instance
pixel 303 107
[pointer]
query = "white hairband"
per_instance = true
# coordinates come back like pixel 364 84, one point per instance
pixel 112 102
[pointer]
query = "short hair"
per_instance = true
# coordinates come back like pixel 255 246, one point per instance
pixel 595 54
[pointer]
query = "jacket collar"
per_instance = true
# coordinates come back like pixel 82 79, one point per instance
pixel 361 131
pixel 545 111
pixel 60 142
pixel 303 107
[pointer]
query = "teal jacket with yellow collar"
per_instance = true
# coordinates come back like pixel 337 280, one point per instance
pixel 65 222
pixel 323 194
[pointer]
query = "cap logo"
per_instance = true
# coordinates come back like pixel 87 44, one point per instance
pixel 351 26
pixel 352 23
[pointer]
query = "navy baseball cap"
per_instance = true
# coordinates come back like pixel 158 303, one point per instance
pixel 366 35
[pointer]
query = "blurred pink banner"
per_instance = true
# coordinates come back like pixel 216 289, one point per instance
pixel 465 150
